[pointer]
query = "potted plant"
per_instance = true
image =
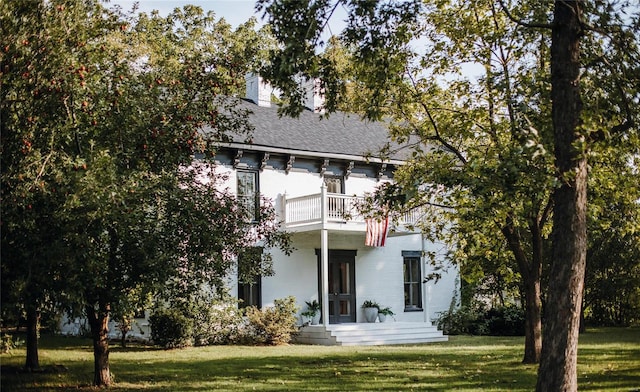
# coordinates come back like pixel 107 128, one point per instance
pixel 383 313
pixel 312 312
pixel 306 317
pixel 370 310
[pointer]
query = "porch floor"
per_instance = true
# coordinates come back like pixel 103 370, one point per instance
pixel 370 334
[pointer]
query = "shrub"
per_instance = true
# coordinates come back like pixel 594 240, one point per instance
pixel 219 323
pixel 478 320
pixel 506 321
pixel 466 320
pixel 171 329
pixel 7 343
pixel 273 325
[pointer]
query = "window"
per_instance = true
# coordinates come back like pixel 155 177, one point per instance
pixel 334 184
pixel 412 280
pixel 250 293
pixel 336 204
pixel 250 282
pixel 248 193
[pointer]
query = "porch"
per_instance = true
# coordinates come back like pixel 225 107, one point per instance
pixel 370 334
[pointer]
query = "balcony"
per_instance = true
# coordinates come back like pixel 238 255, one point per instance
pixel 335 211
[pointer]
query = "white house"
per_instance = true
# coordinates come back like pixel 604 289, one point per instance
pixel 315 170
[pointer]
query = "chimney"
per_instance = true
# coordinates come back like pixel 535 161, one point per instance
pixel 258 90
pixel 314 97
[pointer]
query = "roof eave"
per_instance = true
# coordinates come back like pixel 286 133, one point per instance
pixel 311 154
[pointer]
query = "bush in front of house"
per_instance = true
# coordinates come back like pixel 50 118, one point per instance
pixel 171 329
pixel 477 319
pixel 465 320
pixel 207 322
pixel 221 322
pixel 272 325
pixel 506 320
pixel 215 316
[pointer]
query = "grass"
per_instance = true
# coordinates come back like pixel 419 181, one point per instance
pixel 608 360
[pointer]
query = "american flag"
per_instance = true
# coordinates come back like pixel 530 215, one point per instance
pixel 376 231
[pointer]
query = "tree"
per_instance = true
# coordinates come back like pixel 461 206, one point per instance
pixel 34 181
pixel 496 162
pixel 528 119
pixel 129 102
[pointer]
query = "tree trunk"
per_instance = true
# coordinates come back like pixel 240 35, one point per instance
pixel 558 364
pixel 98 321
pixel 533 321
pixel 33 326
pixel 531 272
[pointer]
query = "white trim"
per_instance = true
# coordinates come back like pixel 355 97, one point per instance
pixel 313 154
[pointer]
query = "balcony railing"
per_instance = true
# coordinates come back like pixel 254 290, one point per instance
pixel 307 210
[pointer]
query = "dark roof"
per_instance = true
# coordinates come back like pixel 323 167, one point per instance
pixel 340 133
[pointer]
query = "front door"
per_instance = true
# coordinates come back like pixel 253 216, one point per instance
pixel 342 283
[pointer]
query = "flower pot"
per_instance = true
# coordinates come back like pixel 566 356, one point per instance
pixel 370 314
pixel 382 317
pixel 315 320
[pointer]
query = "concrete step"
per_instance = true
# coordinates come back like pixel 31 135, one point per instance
pixel 370 334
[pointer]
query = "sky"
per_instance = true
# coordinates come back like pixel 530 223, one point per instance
pixel 234 12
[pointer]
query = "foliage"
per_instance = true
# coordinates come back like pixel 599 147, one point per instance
pixel 171 329
pixel 370 304
pixel 208 319
pixel 612 291
pixel 468 87
pixel 216 318
pixel 272 325
pixel 226 324
pixel 478 319
pixel 102 115
pixel 129 304
pixel 612 283
pixel 313 308
pixel 8 343
pixel 386 311
pixel 506 321
pixel 465 320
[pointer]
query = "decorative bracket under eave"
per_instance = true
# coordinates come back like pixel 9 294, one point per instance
pixel 383 168
pixel 236 160
pixel 323 168
pixel 263 163
pixel 348 170
pixel 290 164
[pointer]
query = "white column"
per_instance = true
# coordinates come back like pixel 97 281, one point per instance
pixel 324 256
pixel 283 207
pixel 427 308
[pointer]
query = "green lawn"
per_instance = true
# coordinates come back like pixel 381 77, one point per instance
pixel 609 360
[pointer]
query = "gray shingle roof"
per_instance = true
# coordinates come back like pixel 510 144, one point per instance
pixel 340 133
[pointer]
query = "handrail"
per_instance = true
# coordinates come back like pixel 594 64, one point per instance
pixel 307 209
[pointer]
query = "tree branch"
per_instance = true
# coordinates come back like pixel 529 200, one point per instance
pixel 437 136
pixel 520 22
pixel 628 121
pixel 546 212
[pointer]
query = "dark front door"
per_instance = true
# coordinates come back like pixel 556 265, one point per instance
pixel 342 284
